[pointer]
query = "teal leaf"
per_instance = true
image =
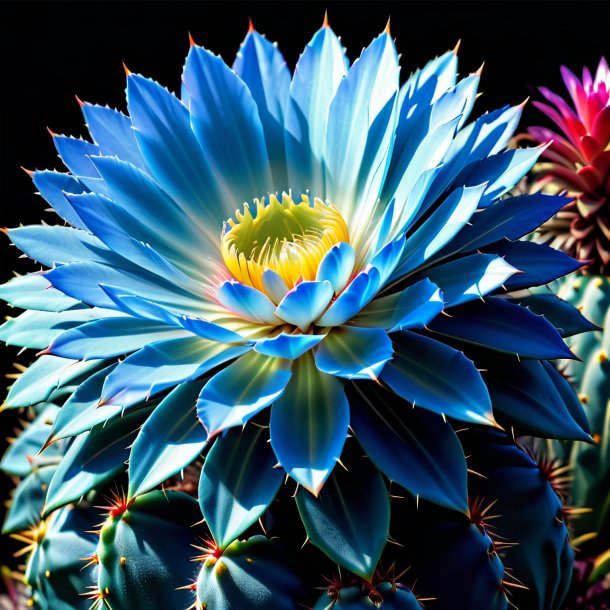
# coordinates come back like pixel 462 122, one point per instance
pixel 28 500
pixel 413 447
pixel 350 519
pixel 170 439
pixel 437 377
pixel 42 378
pixel 238 482
pixel 503 326
pixel 19 457
pixel 93 459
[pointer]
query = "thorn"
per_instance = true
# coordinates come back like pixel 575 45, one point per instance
pixel 192 42
pixel 387 27
pixel 524 102
pixel 29 172
pixel 325 23
pixel 457 47
pixel 128 72
pixel 251 27
pixel 53 134
pixel 480 70
pixel 80 102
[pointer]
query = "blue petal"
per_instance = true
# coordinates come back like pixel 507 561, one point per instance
pixel 162 365
pixel 452 214
pixel 354 353
pixel 247 302
pixel 419 159
pixel 538 263
pixel 501 171
pixel 36 329
pixel 487 135
pixel 225 120
pixel 123 235
pixel 286 345
pixel 52 186
pixel 337 266
pixel 434 376
pixel 110 337
pixel 309 425
pixel 170 439
pixel 42 378
pixel 184 235
pixel 509 218
pixel 357 294
pixel 34 291
pixel 357 145
pixel 76 155
pixel 304 303
pixel 171 151
pixel 241 390
pixel 148 310
pixel 274 285
pixel 470 277
pixel 505 327
pixel 316 77
pixel 52 245
pixel 386 260
pixel 413 307
pixel 259 63
pixel 81 411
pixel 113 133
pixel 412 447
pixel 84 281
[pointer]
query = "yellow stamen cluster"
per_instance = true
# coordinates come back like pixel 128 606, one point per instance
pixel 289 238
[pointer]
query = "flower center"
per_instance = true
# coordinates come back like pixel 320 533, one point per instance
pixel 289 238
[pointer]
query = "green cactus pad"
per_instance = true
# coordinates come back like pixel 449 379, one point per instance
pixel 145 552
pixel 249 575
pixel 390 597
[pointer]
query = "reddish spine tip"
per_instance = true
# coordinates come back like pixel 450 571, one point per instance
pixel 192 42
pixel 251 27
pixel 128 72
pixel 29 172
pixel 387 27
pixel 80 102
pixel 53 134
pixel 457 47
pixel 325 23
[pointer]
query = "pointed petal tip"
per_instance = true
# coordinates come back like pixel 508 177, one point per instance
pixel 387 27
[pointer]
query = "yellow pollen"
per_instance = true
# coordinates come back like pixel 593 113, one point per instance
pixel 288 238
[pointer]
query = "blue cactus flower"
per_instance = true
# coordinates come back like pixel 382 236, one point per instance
pixel 330 245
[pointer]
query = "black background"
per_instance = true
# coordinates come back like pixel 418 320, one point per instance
pixel 52 51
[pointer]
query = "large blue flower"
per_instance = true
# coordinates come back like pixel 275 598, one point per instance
pixel 322 244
